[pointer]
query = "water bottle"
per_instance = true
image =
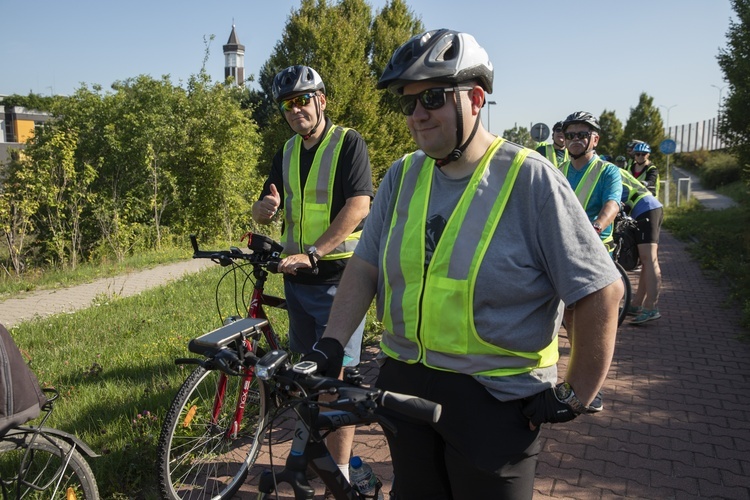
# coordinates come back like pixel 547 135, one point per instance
pixel 363 479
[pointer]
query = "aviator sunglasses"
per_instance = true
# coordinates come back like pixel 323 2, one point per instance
pixel 583 134
pixel 300 101
pixel 431 99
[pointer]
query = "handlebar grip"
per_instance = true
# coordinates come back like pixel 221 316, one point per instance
pixel 412 406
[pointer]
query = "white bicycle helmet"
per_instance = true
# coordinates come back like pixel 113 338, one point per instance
pixel 294 80
pixel 441 55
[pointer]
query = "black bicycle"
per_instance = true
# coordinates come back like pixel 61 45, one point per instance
pixel 42 462
pixel 295 388
pixel 625 255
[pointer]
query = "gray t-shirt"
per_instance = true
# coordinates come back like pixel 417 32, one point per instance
pixel 543 254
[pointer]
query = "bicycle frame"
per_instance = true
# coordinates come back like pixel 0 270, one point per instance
pixel 255 310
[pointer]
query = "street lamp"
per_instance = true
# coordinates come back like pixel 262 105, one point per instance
pixel 668 108
pixel 666 183
pixel 720 89
pixel 489 103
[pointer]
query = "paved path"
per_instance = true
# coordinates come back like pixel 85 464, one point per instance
pixel 711 200
pixel 676 423
pixel 42 303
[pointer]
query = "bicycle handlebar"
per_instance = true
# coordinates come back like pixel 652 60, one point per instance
pixel 264 253
pixel 274 366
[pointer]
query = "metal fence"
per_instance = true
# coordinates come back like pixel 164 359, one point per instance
pixel 696 136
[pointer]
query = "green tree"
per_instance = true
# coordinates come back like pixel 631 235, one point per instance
pixel 734 61
pixel 519 135
pixel 610 141
pixel 390 139
pixel 20 197
pixel 67 192
pixel 645 124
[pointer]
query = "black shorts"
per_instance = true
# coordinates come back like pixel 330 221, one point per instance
pixel 481 448
pixel 649 226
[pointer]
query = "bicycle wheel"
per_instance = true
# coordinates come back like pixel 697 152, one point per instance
pixel 196 460
pixel 625 301
pixel 33 466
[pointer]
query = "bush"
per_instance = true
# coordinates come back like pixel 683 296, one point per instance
pixel 692 162
pixel 720 169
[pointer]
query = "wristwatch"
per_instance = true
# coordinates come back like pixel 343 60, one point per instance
pixel 565 394
pixel 597 227
pixel 312 252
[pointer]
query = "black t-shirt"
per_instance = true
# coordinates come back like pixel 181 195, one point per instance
pixel 353 178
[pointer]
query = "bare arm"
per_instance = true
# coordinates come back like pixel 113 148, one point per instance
pixel 353 298
pixel 593 340
pixel 608 213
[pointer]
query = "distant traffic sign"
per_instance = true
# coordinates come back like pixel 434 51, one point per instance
pixel 667 146
pixel 539 132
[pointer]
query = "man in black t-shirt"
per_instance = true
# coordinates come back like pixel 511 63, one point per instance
pixel 322 183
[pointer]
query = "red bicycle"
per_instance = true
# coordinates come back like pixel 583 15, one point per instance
pixel 217 422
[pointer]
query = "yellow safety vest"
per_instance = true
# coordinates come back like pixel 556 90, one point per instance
pixel 636 190
pixel 642 176
pixel 585 189
pixel 551 155
pixel 308 216
pixel 428 313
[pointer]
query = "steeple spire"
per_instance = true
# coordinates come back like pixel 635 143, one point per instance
pixel 234 59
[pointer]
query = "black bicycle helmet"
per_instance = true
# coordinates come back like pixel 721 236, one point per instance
pixel 295 80
pixel 582 117
pixel 558 125
pixel 441 55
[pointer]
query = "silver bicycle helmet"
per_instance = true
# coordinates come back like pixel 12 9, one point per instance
pixel 582 117
pixel 441 55
pixel 294 80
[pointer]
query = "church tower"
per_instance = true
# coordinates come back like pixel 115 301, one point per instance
pixel 234 60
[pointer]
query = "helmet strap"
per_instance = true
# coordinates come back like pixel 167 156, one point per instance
pixel 317 123
pixel 459 151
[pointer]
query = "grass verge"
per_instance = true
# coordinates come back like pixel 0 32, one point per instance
pixel 720 241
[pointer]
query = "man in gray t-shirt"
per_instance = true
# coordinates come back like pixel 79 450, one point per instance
pixel 472 248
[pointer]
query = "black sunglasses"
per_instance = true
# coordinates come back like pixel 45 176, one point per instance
pixel 583 134
pixel 431 99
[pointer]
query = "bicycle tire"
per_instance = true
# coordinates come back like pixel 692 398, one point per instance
pixel 195 460
pixel 625 300
pixel 43 466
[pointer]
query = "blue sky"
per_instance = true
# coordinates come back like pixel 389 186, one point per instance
pixel 551 57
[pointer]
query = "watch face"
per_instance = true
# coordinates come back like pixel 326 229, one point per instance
pixel 563 391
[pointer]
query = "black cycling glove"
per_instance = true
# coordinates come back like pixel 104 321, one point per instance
pixel 328 353
pixel 546 408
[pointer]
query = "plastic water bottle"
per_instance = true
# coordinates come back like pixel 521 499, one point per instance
pixel 363 479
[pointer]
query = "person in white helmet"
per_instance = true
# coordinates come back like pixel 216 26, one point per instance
pixel 471 249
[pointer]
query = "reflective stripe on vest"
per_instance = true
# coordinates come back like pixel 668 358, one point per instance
pixel 636 190
pixel 642 177
pixel 428 314
pixel 585 189
pixel 551 154
pixel 308 216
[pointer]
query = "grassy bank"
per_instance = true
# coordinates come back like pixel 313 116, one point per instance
pixel 720 241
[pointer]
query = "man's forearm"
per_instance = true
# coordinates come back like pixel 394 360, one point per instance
pixel 346 221
pixel 593 344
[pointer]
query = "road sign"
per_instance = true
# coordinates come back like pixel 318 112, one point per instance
pixel 539 132
pixel 668 146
